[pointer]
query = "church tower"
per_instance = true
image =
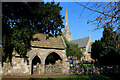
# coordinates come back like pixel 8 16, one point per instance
pixel 67 34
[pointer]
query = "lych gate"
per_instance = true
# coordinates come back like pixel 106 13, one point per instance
pixel 48 55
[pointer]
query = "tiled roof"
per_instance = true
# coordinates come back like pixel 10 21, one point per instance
pixel 51 42
pixel 81 42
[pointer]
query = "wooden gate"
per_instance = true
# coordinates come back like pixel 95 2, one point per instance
pixel 52 69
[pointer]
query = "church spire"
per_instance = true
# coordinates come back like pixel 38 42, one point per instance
pixel 66 22
pixel 67 33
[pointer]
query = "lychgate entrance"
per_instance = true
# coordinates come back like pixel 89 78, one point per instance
pixel 48 55
pixel 53 64
pixel 36 65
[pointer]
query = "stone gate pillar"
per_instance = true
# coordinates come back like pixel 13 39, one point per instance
pixel 66 67
pixel 30 69
pixel 42 69
pixel 42 66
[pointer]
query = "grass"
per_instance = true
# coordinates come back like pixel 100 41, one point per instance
pixel 75 77
pixel 89 65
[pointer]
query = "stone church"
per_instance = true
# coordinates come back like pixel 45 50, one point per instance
pixel 83 43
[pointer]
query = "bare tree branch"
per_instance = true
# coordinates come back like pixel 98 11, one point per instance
pixel 97 11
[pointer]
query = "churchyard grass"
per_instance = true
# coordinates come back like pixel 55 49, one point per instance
pixel 73 77
pixel 89 65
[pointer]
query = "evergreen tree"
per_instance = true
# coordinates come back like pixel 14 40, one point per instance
pixel 96 50
pixel 106 50
pixel 110 53
pixel 21 20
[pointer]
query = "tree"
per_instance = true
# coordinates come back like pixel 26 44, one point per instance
pixel 106 50
pixel 107 12
pixel 21 20
pixel 96 50
pixel 73 49
pixel 110 53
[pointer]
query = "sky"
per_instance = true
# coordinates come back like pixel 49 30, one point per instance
pixel 78 24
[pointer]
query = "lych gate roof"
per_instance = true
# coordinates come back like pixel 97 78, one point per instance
pixel 81 42
pixel 48 42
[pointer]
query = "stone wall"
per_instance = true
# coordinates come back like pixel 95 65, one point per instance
pixel 23 66
pixel 52 69
pixel 87 55
pixel 18 67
